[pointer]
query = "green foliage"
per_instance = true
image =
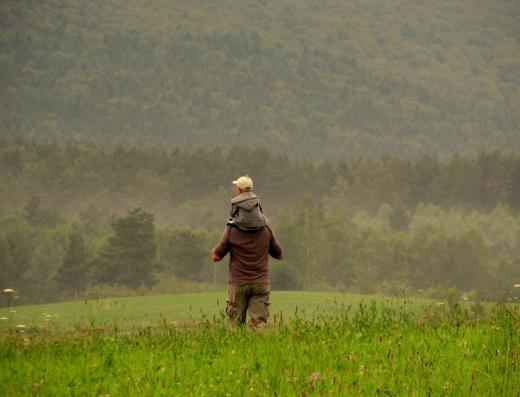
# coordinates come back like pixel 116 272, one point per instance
pixel 286 277
pixel 339 80
pixel 37 216
pixel 184 253
pixel 64 180
pixel 301 236
pixel 373 225
pixel 72 274
pixel 129 255
pixel 324 248
pixel 18 247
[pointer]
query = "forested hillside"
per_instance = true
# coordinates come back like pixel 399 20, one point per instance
pixel 330 79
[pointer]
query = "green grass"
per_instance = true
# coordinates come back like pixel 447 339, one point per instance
pixel 178 309
pixel 371 349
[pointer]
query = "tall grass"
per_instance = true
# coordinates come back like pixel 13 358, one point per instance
pixel 374 349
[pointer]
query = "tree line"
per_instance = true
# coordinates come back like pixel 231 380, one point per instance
pixel 424 252
pixel 192 188
pixel 77 217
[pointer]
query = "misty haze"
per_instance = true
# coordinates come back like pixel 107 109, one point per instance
pixel 376 142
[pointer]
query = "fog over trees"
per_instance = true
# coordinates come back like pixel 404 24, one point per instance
pixel 383 138
pixel 75 218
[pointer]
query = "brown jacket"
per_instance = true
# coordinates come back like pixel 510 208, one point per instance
pixel 249 254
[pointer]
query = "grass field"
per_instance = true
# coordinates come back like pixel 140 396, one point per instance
pixel 341 345
pixel 143 311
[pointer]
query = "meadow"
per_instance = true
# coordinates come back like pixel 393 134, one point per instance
pixel 187 309
pixel 318 344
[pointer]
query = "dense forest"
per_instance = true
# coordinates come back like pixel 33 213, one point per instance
pixel 329 80
pixel 383 138
pixel 192 188
pixel 81 219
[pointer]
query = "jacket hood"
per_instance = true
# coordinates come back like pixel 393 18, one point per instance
pixel 246 201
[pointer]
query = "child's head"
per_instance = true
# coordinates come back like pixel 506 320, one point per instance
pixel 243 184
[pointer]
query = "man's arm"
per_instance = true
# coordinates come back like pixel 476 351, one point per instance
pixel 222 247
pixel 275 249
pixel 214 256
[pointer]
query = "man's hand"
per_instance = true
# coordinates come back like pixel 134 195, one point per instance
pixel 214 256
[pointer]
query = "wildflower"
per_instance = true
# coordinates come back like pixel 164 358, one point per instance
pixel 8 291
pixel 21 326
pixel 465 297
pixel 516 286
pixel 315 376
pixel 3 318
pixel 440 304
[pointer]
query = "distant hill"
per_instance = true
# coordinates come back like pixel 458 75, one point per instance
pixel 330 79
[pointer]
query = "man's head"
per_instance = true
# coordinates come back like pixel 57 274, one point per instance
pixel 243 184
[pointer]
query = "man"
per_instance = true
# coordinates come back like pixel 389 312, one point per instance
pixel 248 277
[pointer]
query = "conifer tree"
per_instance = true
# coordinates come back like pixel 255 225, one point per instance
pixel 71 274
pixel 129 256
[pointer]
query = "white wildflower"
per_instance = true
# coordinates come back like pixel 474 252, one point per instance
pixel 3 318
pixel 8 291
pixel 440 304
pixel 465 297
pixel 516 286
pixel 21 326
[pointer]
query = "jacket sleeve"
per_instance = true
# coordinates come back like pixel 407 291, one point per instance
pixel 222 247
pixel 275 249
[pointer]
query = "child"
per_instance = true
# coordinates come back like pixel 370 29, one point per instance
pixel 246 211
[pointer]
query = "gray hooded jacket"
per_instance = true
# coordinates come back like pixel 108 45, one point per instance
pixel 246 212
